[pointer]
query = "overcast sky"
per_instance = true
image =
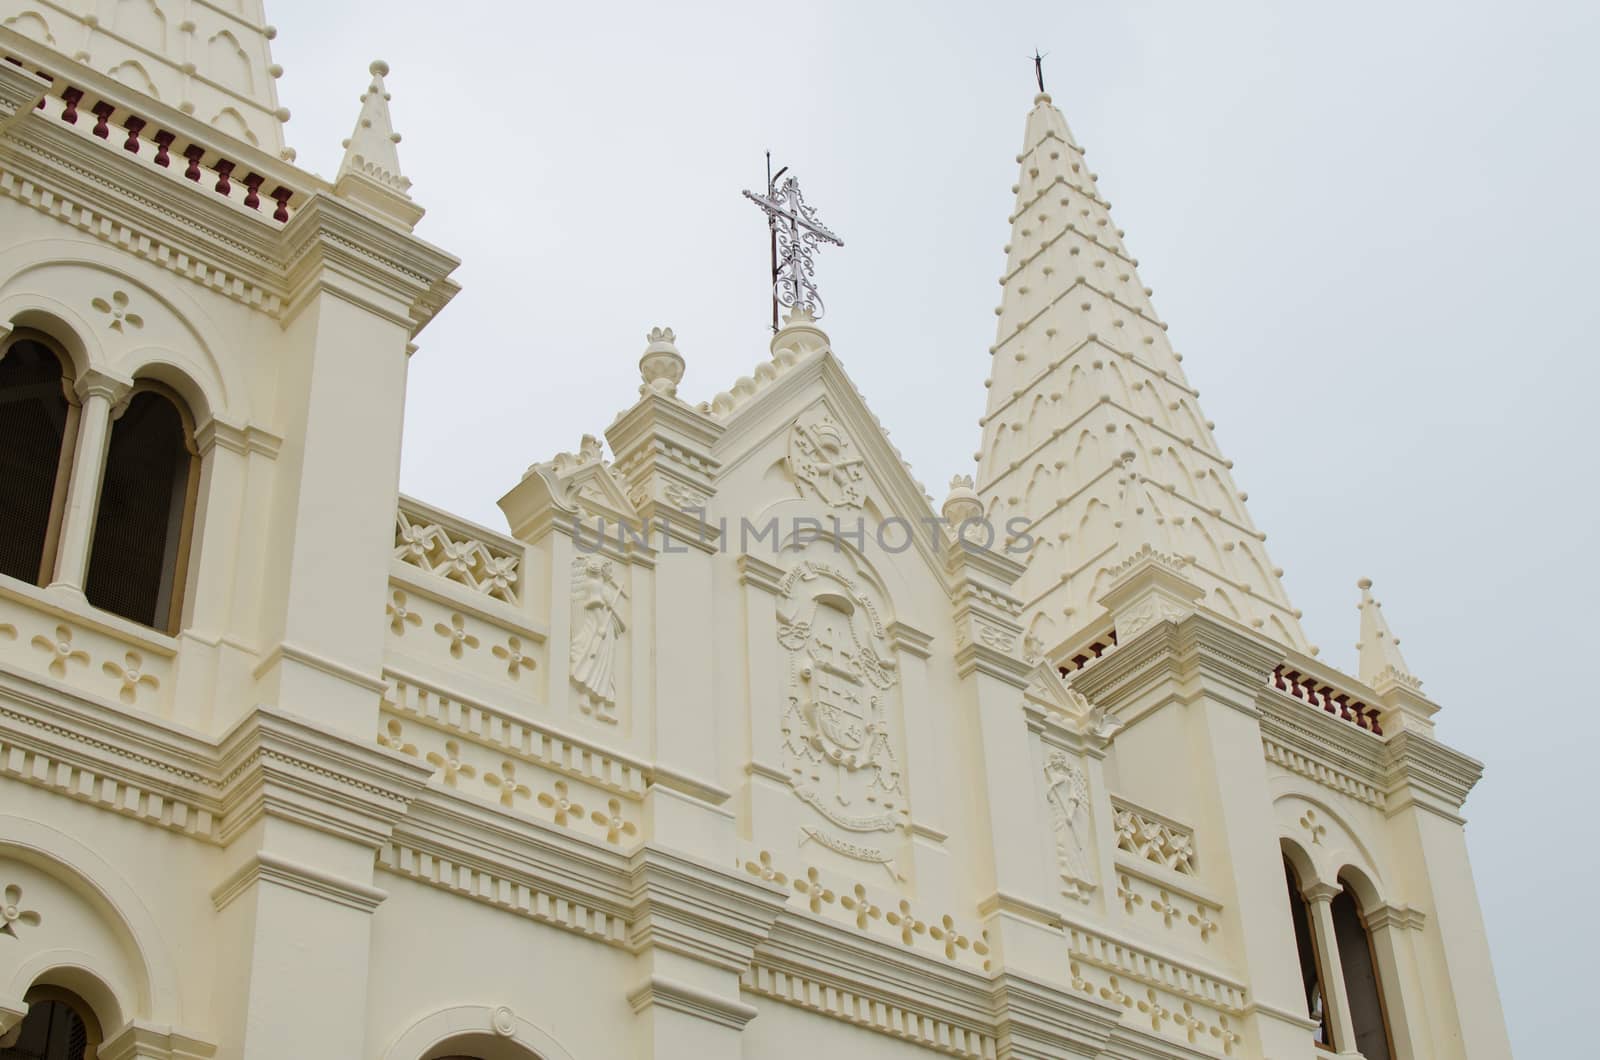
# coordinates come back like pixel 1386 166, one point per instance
pixel 1372 227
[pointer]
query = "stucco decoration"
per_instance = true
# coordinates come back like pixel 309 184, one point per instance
pixel 1067 791
pixel 838 748
pixel 597 629
pixel 824 461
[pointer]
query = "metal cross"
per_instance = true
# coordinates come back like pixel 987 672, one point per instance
pixel 796 234
pixel 1038 69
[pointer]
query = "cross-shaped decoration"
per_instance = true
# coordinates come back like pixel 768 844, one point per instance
pixel 796 236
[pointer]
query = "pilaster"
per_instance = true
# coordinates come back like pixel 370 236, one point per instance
pixel 694 928
pixel 305 811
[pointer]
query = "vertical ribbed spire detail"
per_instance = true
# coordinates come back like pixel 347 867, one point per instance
pixel 1083 373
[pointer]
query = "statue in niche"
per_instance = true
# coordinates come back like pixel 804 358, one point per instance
pixel 597 628
pixel 838 744
pixel 1067 791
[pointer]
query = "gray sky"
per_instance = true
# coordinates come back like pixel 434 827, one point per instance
pixel 1372 226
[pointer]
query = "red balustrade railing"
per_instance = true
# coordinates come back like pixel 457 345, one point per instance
pixel 1327 698
pixel 1089 653
pixel 162 141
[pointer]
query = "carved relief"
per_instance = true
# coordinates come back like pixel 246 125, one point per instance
pixel 597 629
pixel 825 462
pixel 1067 791
pixel 837 744
pixel 455 556
pixel 118 317
pixel 12 913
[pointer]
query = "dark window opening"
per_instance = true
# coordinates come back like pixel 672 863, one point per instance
pixel 1310 970
pixel 36 422
pixel 1362 991
pixel 139 553
pixel 53 1029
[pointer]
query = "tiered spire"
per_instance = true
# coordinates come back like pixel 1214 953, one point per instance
pixel 1083 374
pixel 214 64
pixel 370 172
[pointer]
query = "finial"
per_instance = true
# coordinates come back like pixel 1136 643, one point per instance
pixel 1038 69
pixel 661 367
pixel 1382 665
pixel 370 171
pixel 962 509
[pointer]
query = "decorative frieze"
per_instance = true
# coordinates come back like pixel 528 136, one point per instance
pixel 1133 963
pixel 892 918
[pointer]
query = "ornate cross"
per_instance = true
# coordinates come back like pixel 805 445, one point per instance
pixel 797 234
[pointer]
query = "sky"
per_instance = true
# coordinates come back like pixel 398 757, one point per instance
pixel 1372 227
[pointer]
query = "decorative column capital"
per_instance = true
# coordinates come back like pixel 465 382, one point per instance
pixel 97 383
pixel 1320 893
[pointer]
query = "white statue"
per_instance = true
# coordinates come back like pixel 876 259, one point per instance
pixel 1068 795
pixel 597 627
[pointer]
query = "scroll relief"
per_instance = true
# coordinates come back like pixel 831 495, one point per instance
pixel 825 462
pixel 838 745
pixel 597 629
pixel 1067 792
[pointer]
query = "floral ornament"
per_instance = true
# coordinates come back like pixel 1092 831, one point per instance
pixel 565 809
pixel 393 738
pixel 616 828
pixel 117 310
pixel 131 674
pixel 456 633
pixel 515 661
pixel 766 869
pixel 945 932
pixel 61 651
pixel 12 913
pixel 856 902
pixel 400 615
pixel 816 894
pixel 1227 1035
pixel 449 764
pixel 499 573
pixel 507 784
pixel 1153 1008
pixel 908 924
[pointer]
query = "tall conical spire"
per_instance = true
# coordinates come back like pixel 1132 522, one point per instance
pixel 212 63
pixel 370 172
pixel 1381 661
pixel 1083 373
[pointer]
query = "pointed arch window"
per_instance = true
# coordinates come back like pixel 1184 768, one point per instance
pixel 38 425
pixel 138 560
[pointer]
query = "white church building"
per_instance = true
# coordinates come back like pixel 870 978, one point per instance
pixel 731 744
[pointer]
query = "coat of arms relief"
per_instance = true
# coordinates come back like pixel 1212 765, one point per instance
pixel 839 745
pixel 825 462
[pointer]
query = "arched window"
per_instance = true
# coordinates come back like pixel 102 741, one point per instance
pixel 38 421
pixel 145 516
pixel 1310 968
pixel 1362 991
pixel 58 1026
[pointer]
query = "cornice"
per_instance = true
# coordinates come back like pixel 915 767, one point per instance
pixel 274 763
pixel 1423 771
pixel 1315 745
pixel 690 907
pixel 307 879
pixel 20 92
pixel 692 1001
pixel 330 245
pixel 1042 1021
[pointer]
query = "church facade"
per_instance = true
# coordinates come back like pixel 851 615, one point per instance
pixel 733 744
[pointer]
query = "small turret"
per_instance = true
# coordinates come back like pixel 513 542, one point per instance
pixel 370 173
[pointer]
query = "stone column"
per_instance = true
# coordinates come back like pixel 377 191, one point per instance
pixel 100 393
pixel 1319 903
pixel 1390 930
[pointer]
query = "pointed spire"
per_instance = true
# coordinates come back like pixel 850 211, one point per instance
pixel 370 172
pixel 1381 662
pixel 1082 376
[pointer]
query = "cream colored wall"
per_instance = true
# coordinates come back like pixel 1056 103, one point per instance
pixel 375 796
